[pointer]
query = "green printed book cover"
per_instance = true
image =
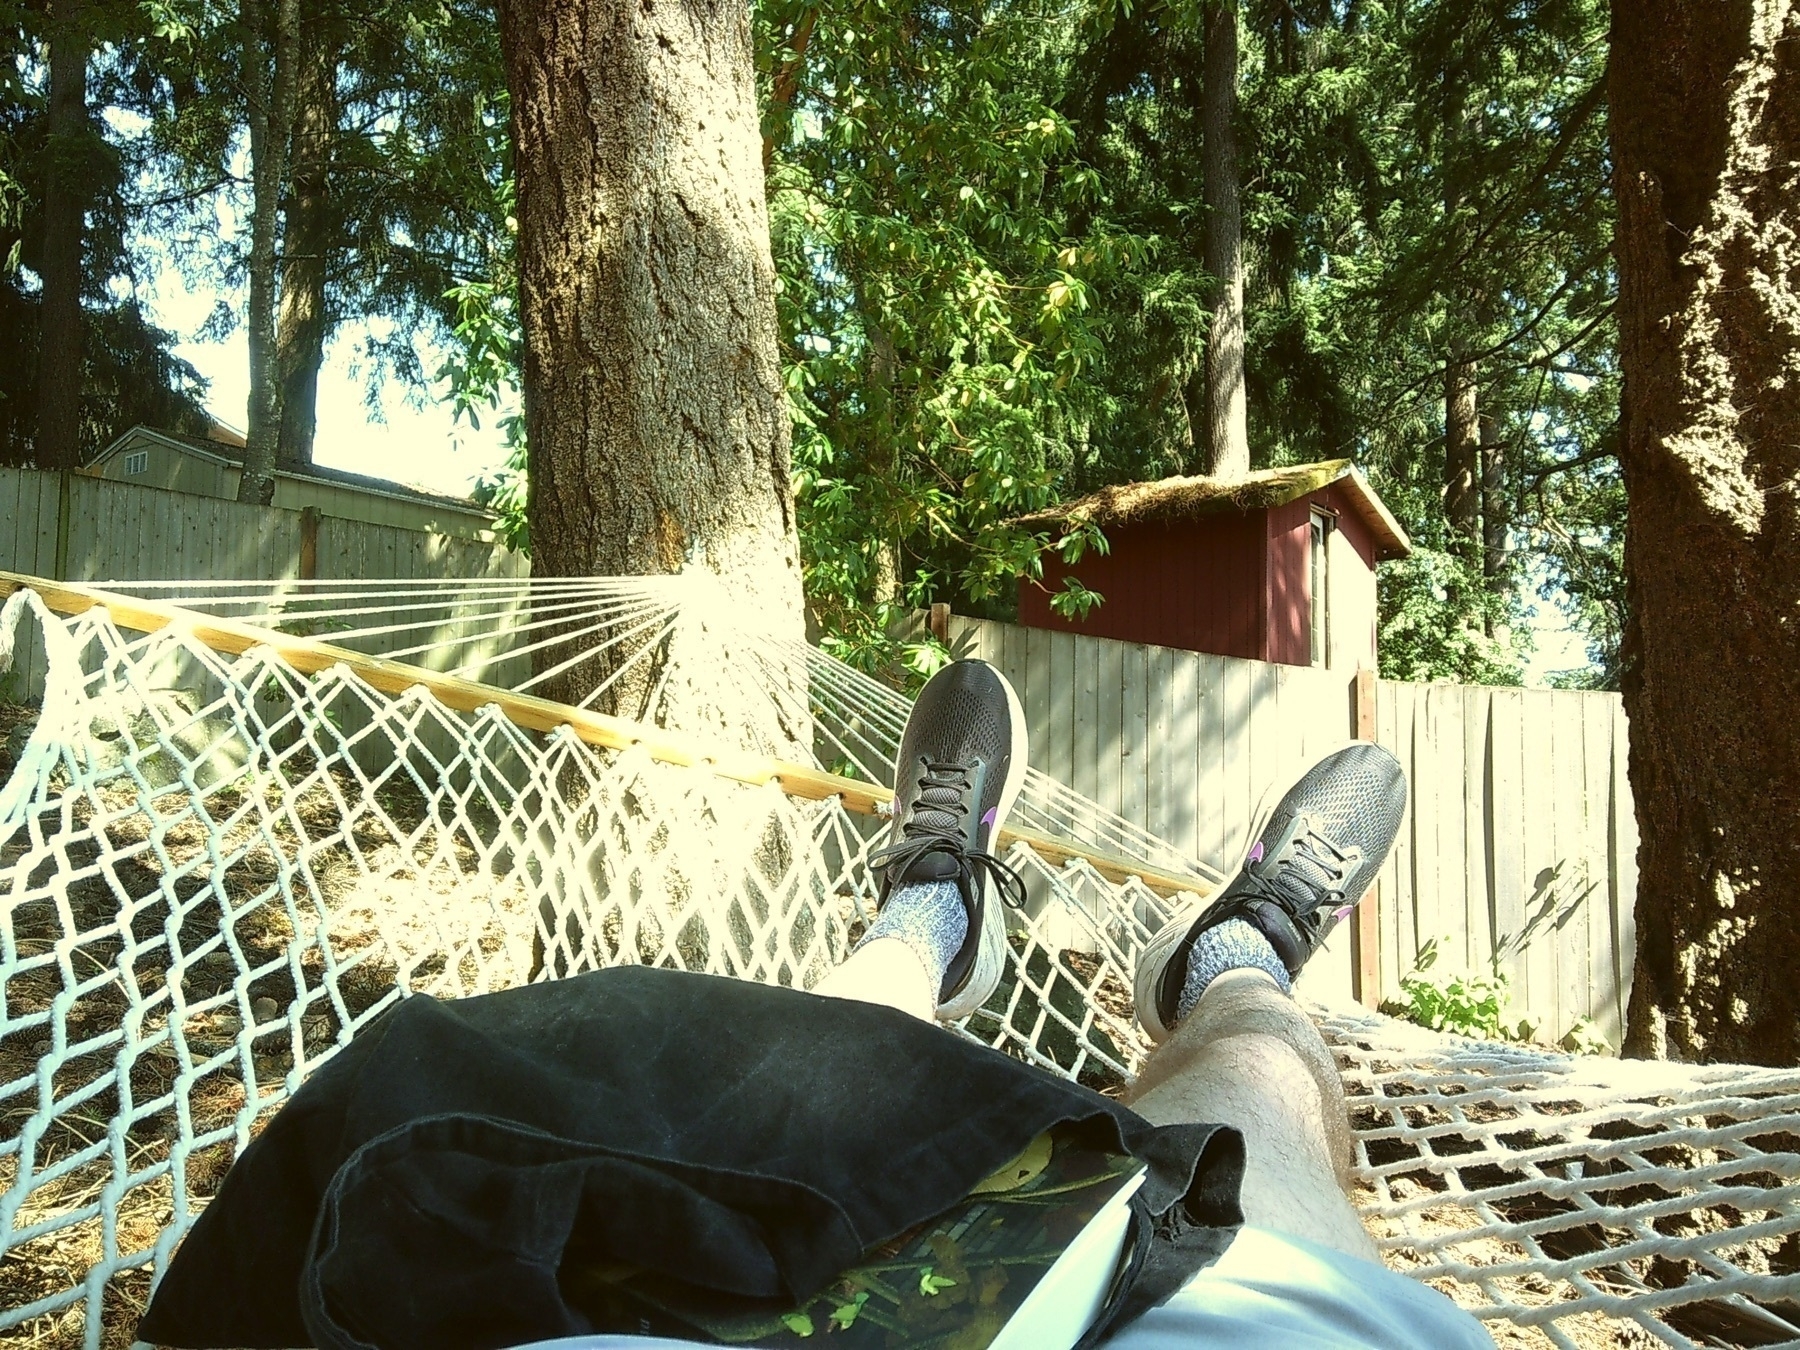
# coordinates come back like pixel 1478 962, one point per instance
pixel 952 1283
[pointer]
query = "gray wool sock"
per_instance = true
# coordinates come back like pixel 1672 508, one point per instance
pixel 929 917
pixel 1232 945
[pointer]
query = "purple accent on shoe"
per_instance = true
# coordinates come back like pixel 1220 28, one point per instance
pixel 1340 913
pixel 988 819
pixel 1255 853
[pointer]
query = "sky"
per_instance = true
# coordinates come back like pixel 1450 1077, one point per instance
pixel 415 443
pixel 1558 645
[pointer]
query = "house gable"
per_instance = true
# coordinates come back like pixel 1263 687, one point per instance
pixel 184 464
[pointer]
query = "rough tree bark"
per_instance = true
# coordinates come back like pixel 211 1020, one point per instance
pixel 308 229
pixel 654 409
pixel 268 75
pixel 1227 447
pixel 1705 131
pixel 58 439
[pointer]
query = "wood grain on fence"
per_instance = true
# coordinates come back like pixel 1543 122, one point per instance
pixel 1519 848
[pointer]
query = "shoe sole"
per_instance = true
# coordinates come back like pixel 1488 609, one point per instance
pixel 1155 955
pixel 991 953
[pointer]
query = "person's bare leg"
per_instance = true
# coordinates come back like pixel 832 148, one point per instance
pixel 1247 1056
pixel 885 971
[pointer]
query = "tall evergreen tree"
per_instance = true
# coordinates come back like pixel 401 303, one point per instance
pixel 67 186
pixel 310 232
pixel 269 57
pixel 79 360
pixel 1227 434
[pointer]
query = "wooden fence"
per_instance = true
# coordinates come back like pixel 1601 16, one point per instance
pixel 71 527
pixel 1519 849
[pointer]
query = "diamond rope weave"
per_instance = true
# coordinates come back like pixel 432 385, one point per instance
pixel 216 869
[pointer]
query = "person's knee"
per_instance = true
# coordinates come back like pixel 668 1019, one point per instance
pixel 1243 1071
pixel 1254 1075
pixel 1270 1065
pixel 1240 1002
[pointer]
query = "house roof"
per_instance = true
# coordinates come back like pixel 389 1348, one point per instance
pixel 1168 500
pixel 223 452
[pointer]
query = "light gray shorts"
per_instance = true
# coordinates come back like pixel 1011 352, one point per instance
pixel 1268 1289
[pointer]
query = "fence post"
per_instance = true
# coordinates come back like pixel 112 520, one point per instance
pixel 65 491
pixel 1365 936
pixel 940 623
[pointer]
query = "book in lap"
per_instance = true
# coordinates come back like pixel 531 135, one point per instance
pixel 1024 1262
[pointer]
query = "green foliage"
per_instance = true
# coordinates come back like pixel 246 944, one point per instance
pixel 1475 1004
pixel 481 376
pixel 1075 601
pixel 417 167
pixel 1463 1004
pixel 1491 228
pixel 939 259
pixel 1584 1038
pixel 930 1284
pixel 989 226
pixel 798 1322
pixel 128 374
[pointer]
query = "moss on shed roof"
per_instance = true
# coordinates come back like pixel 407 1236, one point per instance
pixel 1168 500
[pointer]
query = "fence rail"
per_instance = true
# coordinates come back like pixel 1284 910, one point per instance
pixel 1519 848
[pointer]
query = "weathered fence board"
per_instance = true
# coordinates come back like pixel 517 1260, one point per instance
pixel 1519 849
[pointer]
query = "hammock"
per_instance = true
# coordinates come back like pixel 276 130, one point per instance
pixel 227 845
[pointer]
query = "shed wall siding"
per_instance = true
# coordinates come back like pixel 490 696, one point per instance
pixel 167 468
pixel 1354 615
pixel 1287 636
pixel 1350 523
pixel 1174 585
pixel 1351 636
pixel 180 471
pixel 1232 585
pixel 371 508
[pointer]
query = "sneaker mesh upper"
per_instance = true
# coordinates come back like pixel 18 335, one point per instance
pixel 1355 799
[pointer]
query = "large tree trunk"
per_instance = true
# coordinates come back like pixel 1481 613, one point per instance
pixel 307 234
pixel 268 72
pixel 58 440
pixel 654 409
pixel 1706 151
pixel 1227 451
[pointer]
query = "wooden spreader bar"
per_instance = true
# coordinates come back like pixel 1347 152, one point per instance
pixel 309 656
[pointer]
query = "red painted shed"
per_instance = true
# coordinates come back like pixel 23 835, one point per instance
pixel 1278 565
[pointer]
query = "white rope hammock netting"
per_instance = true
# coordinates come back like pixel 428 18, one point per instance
pixel 215 869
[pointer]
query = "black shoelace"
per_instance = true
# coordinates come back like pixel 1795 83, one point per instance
pixel 1304 874
pixel 935 825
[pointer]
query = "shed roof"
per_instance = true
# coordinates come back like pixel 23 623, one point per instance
pixel 227 453
pixel 1169 500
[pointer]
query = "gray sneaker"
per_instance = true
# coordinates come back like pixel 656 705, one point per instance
pixel 1311 861
pixel 960 766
